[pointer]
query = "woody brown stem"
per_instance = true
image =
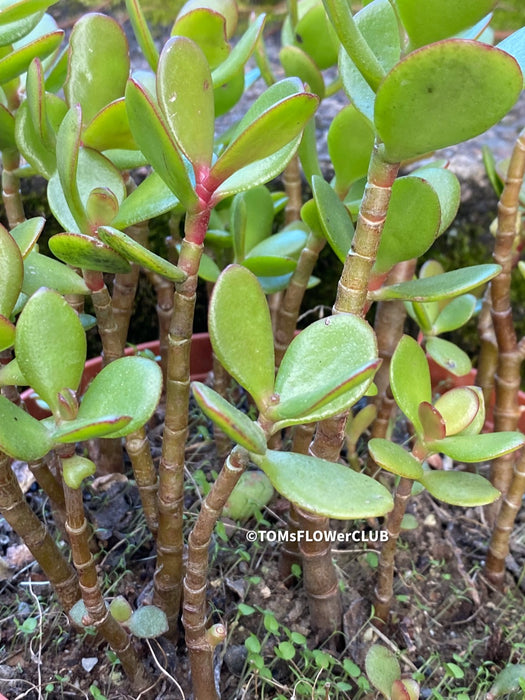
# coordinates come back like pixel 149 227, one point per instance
pixel 384 591
pixel 507 379
pixel 168 574
pixel 221 382
pixel 48 482
pixel 292 186
pixel 11 196
pixel 200 647
pixel 145 474
pixel 164 292
pixel 35 536
pixel 500 541
pixel 488 354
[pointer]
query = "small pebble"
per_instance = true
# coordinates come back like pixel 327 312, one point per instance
pixel 89 663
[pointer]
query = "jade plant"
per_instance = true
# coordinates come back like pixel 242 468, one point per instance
pixel 416 79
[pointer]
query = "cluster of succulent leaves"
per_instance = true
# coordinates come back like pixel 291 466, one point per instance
pixel 384 673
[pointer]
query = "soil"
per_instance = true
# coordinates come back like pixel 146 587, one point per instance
pixel 448 624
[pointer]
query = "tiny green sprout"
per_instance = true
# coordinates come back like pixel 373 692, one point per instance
pixel 76 469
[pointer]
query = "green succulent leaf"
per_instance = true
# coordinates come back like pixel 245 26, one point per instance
pixel 48 364
pixel 449 356
pixel 350 141
pixel 11 272
pixel 142 33
pixel 76 469
pixel 148 622
pixel 312 24
pixel 40 270
pixel 286 243
pixel 459 407
pixel 207 29
pixel 412 223
pixel 110 128
pixel 27 233
pixel 514 45
pixel 7 333
pixel 21 435
pixel 184 89
pixel 208 269
pixel 296 62
pixel 80 429
pixel 120 609
pixel 240 54
pixel 39 154
pixel 326 369
pixel 129 386
pixel 382 668
pixel 87 252
pixel 7 129
pixel 323 487
pixel 269 265
pixel 15 11
pixel 423 89
pixel 252 492
pixel 441 286
pixel 258 205
pixel 446 186
pixel 236 424
pixel 101 206
pixel 151 198
pixel 395 459
pixel 11 32
pixel 455 314
pixel 432 422
pixel 38 46
pixel 478 448
pixel 334 218
pixel 152 134
pixel 239 318
pixel 410 379
pixel 439 19
pixel 11 375
pixel 508 681
pixel 90 84
pixel 459 488
pixel 227 8
pixel 68 146
pixel 134 252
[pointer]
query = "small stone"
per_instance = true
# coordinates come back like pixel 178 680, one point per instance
pixel 430 520
pixel 235 658
pixel 265 592
pixel 89 663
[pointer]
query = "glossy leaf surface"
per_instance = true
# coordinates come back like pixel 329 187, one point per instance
pixel 41 270
pixel 334 218
pixel 459 488
pixel 239 55
pixel 438 287
pixel 207 29
pixel 184 89
pixel 236 424
pixel 350 141
pixel 432 422
pixel 423 89
pixel 76 469
pixel 13 31
pixel 238 319
pixel 151 132
pixel 324 488
pixel 151 198
pixel 7 129
pixel 21 435
pixel 455 314
pixel 11 272
pixel 395 459
pixel 94 38
pixel 314 374
pixel 48 364
pixel 142 33
pixel 449 356
pixel 18 60
pixel 134 252
pixel 129 386
pixel 446 185
pixel 459 407
pixel 296 62
pixel 87 252
pixel 7 333
pixel 27 233
pixel 410 379
pixel 110 128
pixel 80 429
pixel 478 448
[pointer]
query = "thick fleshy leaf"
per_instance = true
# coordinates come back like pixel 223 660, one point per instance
pixel 15 11
pixel 286 243
pixel 438 287
pixel 142 33
pixel 148 622
pixel 208 269
pixel 13 31
pixel 382 668
pixel 17 61
pixel 21 435
pixel 259 217
pixel 237 426
pixel 276 127
pixel 423 89
pixel 326 368
pixel 449 356
pixel 184 89
pixel 257 173
pixel 446 186
pixel 10 374
pixel 48 364
pixel 11 272
pixel 227 8
pixel 432 422
pixel 459 488
pixel 269 265
pixel 410 379
pixel 206 28
pixel 312 24
pixel 227 95
pixel 110 129
pixel 68 146
pixel 7 333
pixel 7 129
pixel 412 223
pixel 238 319
pixel 507 681
pixel 252 492
pixel 120 609
pixel 151 198
pixel 324 488
pixel 455 314
pixel 40 270
pixel 101 206
pixel 334 218
pixel 27 233
pixel 76 469
pixel 296 62
pixel 94 171
pixel 151 132
pixel 129 386
pixel 80 429
pixel 358 90
pixel 515 46
pixel 239 55
pixel 478 448
pixel 87 252
pixel 459 407
pixel 90 83
pixel 395 459
pixel 134 252
pixel 350 141
pixel 439 19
